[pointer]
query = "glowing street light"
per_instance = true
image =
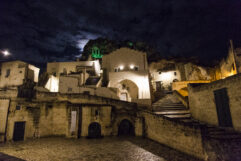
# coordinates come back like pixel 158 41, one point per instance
pixel 5 52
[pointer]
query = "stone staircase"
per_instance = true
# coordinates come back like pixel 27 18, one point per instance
pixel 220 143
pixel 170 107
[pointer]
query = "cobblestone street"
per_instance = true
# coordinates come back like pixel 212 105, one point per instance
pixel 105 149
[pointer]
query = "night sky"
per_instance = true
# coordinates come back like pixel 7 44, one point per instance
pixel 56 30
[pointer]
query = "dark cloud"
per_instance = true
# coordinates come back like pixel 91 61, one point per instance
pixel 40 30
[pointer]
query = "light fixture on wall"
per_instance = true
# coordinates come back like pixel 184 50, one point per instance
pixel 121 67
pixel 132 66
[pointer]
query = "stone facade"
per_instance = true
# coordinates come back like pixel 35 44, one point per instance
pixel 163 74
pixel 16 72
pixel 202 100
pixel 127 70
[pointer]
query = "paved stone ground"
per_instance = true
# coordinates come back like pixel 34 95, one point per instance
pixel 105 149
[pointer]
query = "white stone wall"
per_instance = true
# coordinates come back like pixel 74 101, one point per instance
pixel 126 58
pixel 141 79
pixel 166 77
pixel 60 67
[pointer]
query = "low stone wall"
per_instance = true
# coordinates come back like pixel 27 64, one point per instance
pixel 183 99
pixel 185 138
pixel 179 85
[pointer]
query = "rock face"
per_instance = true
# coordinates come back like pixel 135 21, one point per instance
pixel 107 46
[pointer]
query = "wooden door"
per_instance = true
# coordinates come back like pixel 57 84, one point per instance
pixel 19 128
pixel 222 106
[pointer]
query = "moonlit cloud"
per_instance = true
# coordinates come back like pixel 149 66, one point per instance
pixel 58 30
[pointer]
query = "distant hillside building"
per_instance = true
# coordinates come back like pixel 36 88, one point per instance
pixel 15 73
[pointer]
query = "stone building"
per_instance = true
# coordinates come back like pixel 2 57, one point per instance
pixel 127 70
pixel 14 73
pixel 26 112
pixel 217 103
pixel 163 74
pixel 70 76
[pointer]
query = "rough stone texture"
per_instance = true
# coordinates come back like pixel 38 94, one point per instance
pixel 42 119
pixel 103 118
pixel 187 139
pixel 202 102
pixel 106 149
pixel 18 71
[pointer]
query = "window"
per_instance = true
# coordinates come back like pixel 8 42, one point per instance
pixel 233 66
pixel 7 73
pixel 69 89
pixel 136 68
pixel 18 107
pixel 96 112
pixel 175 73
pixel 117 69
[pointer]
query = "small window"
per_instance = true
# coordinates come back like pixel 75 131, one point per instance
pixel 96 112
pixel 69 89
pixel 117 69
pixel 20 71
pixel 175 73
pixel 136 68
pixel 7 73
pixel 233 66
pixel 18 107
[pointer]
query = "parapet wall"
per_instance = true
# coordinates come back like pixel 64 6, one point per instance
pixel 185 138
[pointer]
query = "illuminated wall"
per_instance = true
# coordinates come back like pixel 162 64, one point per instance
pixel 140 79
pixel 53 84
pixel 13 73
pixel 166 78
pixel 127 70
pixel 57 68
pixel 125 59
pixel 228 65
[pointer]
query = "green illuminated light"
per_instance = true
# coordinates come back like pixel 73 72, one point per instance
pixel 95 53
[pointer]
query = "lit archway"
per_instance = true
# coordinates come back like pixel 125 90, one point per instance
pixel 128 88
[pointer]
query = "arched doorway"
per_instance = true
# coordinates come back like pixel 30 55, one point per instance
pixel 94 130
pixel 126 128
pixel 128 90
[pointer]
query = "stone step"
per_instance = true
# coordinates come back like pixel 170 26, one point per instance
pixel 172 112
pixel 178 116
pixel 169 109
pixel 172 104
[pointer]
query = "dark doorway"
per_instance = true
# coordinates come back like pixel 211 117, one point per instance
pixel 222 106
pixel 18 133
pixel 94 130
pixel 125 128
